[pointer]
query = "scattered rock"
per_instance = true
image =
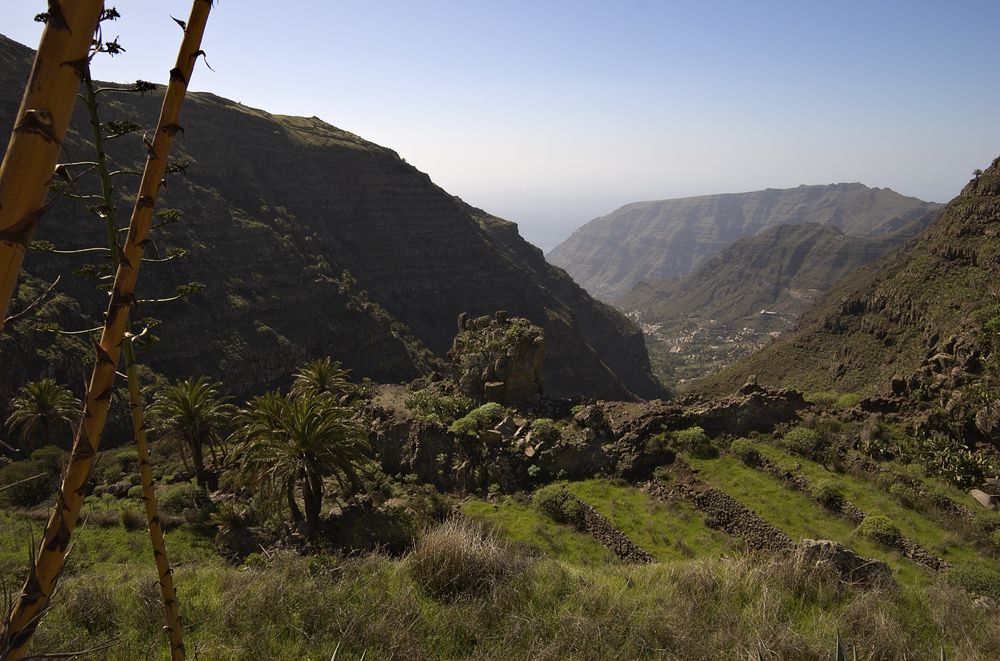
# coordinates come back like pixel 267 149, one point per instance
pixel 850 567
pixel 984 499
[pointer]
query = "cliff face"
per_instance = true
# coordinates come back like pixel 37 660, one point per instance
pixel 314 242
pixel 921 321
pixel 672 238
pixel 783 270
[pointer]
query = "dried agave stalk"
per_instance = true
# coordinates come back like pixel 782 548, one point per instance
pixel 170 610
pixel 20 626
pixel 40 129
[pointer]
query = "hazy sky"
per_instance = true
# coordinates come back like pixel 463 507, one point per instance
pixel 552 113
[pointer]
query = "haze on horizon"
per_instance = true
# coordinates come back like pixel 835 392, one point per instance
pixel 552 113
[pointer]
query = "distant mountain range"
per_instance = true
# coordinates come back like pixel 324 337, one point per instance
pixel 922 321
pixel 673 238
pixel 312 242
pixel 764 280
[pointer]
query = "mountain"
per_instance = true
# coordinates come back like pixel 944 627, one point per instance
pixel 311 241
pixel 921 321
pixel 672 238
pixel 781 270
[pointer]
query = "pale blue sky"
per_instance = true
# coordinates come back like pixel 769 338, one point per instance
pixel 551 113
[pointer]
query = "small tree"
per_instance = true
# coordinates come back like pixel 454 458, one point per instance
pixel 321 376
pixel 46 403
pixel 296 442
pixel 193 414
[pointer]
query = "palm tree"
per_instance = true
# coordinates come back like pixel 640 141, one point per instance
pixel 192 413
pixel 321 376
pixel 44 402
pixel 296 442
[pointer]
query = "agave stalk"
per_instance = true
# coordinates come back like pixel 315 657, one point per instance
pixel 40 129
pixel 170 610
pixel 26 612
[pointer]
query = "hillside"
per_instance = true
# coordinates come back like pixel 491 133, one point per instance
pixel 672 238
pixel 920 321
pixel 781 270
pixel 312 242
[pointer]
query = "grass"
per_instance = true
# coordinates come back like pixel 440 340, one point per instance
pixel 669 533
pixel 551 608
pixel 944 541
pixel 795 513
pixel 523 524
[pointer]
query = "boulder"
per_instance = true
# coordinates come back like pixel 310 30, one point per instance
pixel 849 566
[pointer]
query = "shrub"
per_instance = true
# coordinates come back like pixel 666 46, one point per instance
pixel 132 519
pixel 746 451
pixel 481 418
pixel 802 441
pixel 488 414
pixel 695 441
pixel 181 498
pixel 439 408
pixel 571 510
pixel 464 427
pixel 135 493
pixel 904 493
pixel 879 528
pixel 826 492
pixel 545 430
pixel 977 578
pixel 550 499
pixel 46 462
pixel 461 559
pixel 848 401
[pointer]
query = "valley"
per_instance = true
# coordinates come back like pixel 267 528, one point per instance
pixel 382 425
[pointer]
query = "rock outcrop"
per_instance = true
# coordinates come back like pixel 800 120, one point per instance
pixel 499 359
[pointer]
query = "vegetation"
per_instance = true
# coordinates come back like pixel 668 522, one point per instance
pixel 44 403
pixel 192 414
pixel 298 441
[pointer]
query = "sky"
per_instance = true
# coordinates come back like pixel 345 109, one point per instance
pixel 552 113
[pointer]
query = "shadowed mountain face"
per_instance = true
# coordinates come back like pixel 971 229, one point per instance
pixel 672 238
pixel 313 242
pixel 921 321
pixel 781 270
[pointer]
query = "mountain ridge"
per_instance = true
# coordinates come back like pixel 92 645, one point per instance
pixel 315 242
pixel 672 238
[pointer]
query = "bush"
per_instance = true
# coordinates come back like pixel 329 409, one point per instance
pixel 181 498
pixel 464 427
pixel 879 528
pixel 46 462
pixel 439 408
pixel 545 430
pixel 550 500
pixel 133 519
pixel 905 494
pixel 746 451
pixel 460 559
pixel 826 492
pixel 695 441
pixel 802 441
pixel 977 578
pixel 848 401
pixel 481 418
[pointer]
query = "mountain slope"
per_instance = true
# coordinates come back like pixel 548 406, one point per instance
pixel 313 241
pixel 672 238
pixel 921 321
pixel 782 270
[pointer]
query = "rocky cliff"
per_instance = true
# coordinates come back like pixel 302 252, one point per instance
pixel 921 322
pixel 672 238
pixel 313 242
pixel 781 270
